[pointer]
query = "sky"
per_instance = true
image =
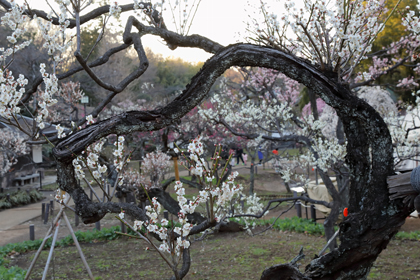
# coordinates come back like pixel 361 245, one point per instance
pixel 218 20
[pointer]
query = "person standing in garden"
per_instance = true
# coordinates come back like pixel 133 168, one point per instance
pixel 239 152
pixel 260 156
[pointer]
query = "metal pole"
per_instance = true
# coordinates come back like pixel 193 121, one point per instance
pixel 76 219
pixel 328 243
pixel 32 232
pixel 316 176
pixel 43 210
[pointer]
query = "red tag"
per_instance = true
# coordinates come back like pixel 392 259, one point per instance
pixel 345 212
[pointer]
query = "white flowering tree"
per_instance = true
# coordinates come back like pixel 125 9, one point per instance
pixel 265 109
pixel 12 145
pixel 326 43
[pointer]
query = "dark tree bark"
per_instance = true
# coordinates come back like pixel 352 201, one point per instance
pixel 373 219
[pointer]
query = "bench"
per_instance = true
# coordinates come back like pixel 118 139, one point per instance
pixel 26 179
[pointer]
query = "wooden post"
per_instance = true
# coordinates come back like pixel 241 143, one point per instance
pixel 52 207
pixel 298 207
pixel 47 212
pixel 40 180
pixel 32 232
pixel 313 213
pixel 43 210
pixel 76 219
pixel 175 159
pixel 98 225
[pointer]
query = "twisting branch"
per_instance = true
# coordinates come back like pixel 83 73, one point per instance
pixel 279 200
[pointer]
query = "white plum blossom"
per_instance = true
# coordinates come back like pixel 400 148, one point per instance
pixel 114 9
pixel 89 119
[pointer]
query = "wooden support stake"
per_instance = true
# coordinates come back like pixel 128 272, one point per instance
pixel 44 274
pixel 47 236
pixel 77 245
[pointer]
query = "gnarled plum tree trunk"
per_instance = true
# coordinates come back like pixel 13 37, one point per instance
pixel 373 219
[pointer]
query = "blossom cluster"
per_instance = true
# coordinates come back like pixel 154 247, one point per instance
pixel 155 165
pixel 10 95
pixel 153 225
pixel 328 33
pixel 57 40
pixel 90 159
pixel 412 22
pixel 12 145
pixel 46 97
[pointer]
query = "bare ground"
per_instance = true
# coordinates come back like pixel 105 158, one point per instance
pixel 222 256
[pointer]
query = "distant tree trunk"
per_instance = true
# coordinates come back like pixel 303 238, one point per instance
pixel 252 157
pixel 251 179
pixel 312 100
